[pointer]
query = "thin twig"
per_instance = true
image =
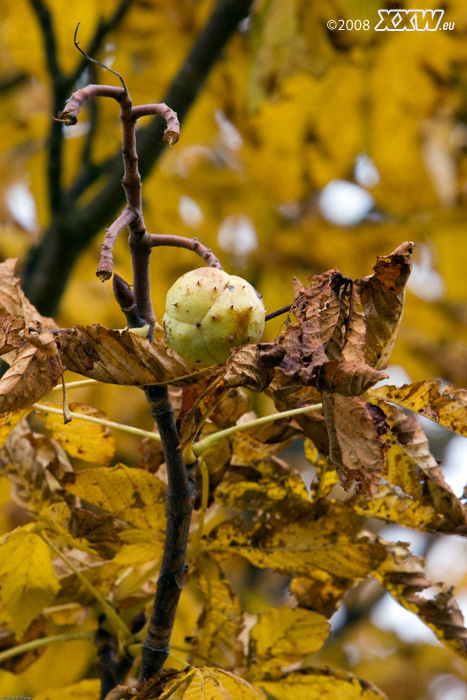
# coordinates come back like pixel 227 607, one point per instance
pixel 106 260
pixel 103 28
pixel 47 270
pixel 159 239
pixel 279 312
pixel 94 60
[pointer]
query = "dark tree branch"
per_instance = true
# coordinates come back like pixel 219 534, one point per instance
pixel 48 35
pixel 48 268
pixel 179 506
pixel 60 88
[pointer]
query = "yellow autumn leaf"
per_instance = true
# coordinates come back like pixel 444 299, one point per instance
pixel 221 621
pixel 284 636
pixel 316 684
pixel 29 583
pixel 271 483
pixel 404 576
pixel 323 592
pixel 326 473
pixel 80 438
pixel 330 541
pixel 389 504
pixel 8 422
pixel 216 684
pixel 83 690
pixel 134 495
pixel 446 405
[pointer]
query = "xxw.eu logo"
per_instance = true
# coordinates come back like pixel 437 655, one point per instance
pixel 411 21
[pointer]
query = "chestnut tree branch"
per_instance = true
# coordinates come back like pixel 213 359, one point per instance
pixel 179 506
pixel 71 228
pixel 159 239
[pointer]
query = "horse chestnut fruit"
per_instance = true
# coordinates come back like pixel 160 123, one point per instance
pixel 209 312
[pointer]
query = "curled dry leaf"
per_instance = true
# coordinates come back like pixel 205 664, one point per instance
pixel 437 493
pixel 356 445
pixel 404 576
pixel 252 366
pixel 13 301
pixel 303 342
pixel 447 406
pixel 383 295
pixel 33 373
pixel 121 357
pixel 11 333
pixel 36 465
pixel 347 378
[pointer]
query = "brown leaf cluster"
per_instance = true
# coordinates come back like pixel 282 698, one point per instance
pixel 340 340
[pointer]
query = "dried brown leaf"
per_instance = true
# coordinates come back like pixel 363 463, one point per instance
pixel 252 366
pixel 11 333
pixel 13 302
pixel 33 373
pixel 305 351
pixel 356 445
pixel 35 464
pixel 383 295
pixel 347 378
pixel 122 357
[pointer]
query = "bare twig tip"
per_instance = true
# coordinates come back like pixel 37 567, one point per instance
pixel 103 275
pixel 93 60
pixel 66 118
pixel 171 137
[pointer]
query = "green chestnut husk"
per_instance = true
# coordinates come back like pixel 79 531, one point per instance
pixel 208 313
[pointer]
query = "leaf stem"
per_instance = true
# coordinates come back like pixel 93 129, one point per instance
pixel 75 385
pixel 209 440
pixel 43 641
pixel 204 504
pixel 100 421
pixel 114 619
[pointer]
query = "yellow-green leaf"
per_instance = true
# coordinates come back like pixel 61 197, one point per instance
pixel 216 684
pixel 204 683
pixel 316 684
pixel 284 636
pixel 134 495
pixel 29 583
pixel 83 690
pixel 80 438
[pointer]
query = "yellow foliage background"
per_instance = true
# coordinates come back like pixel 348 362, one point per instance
pixel 289 108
